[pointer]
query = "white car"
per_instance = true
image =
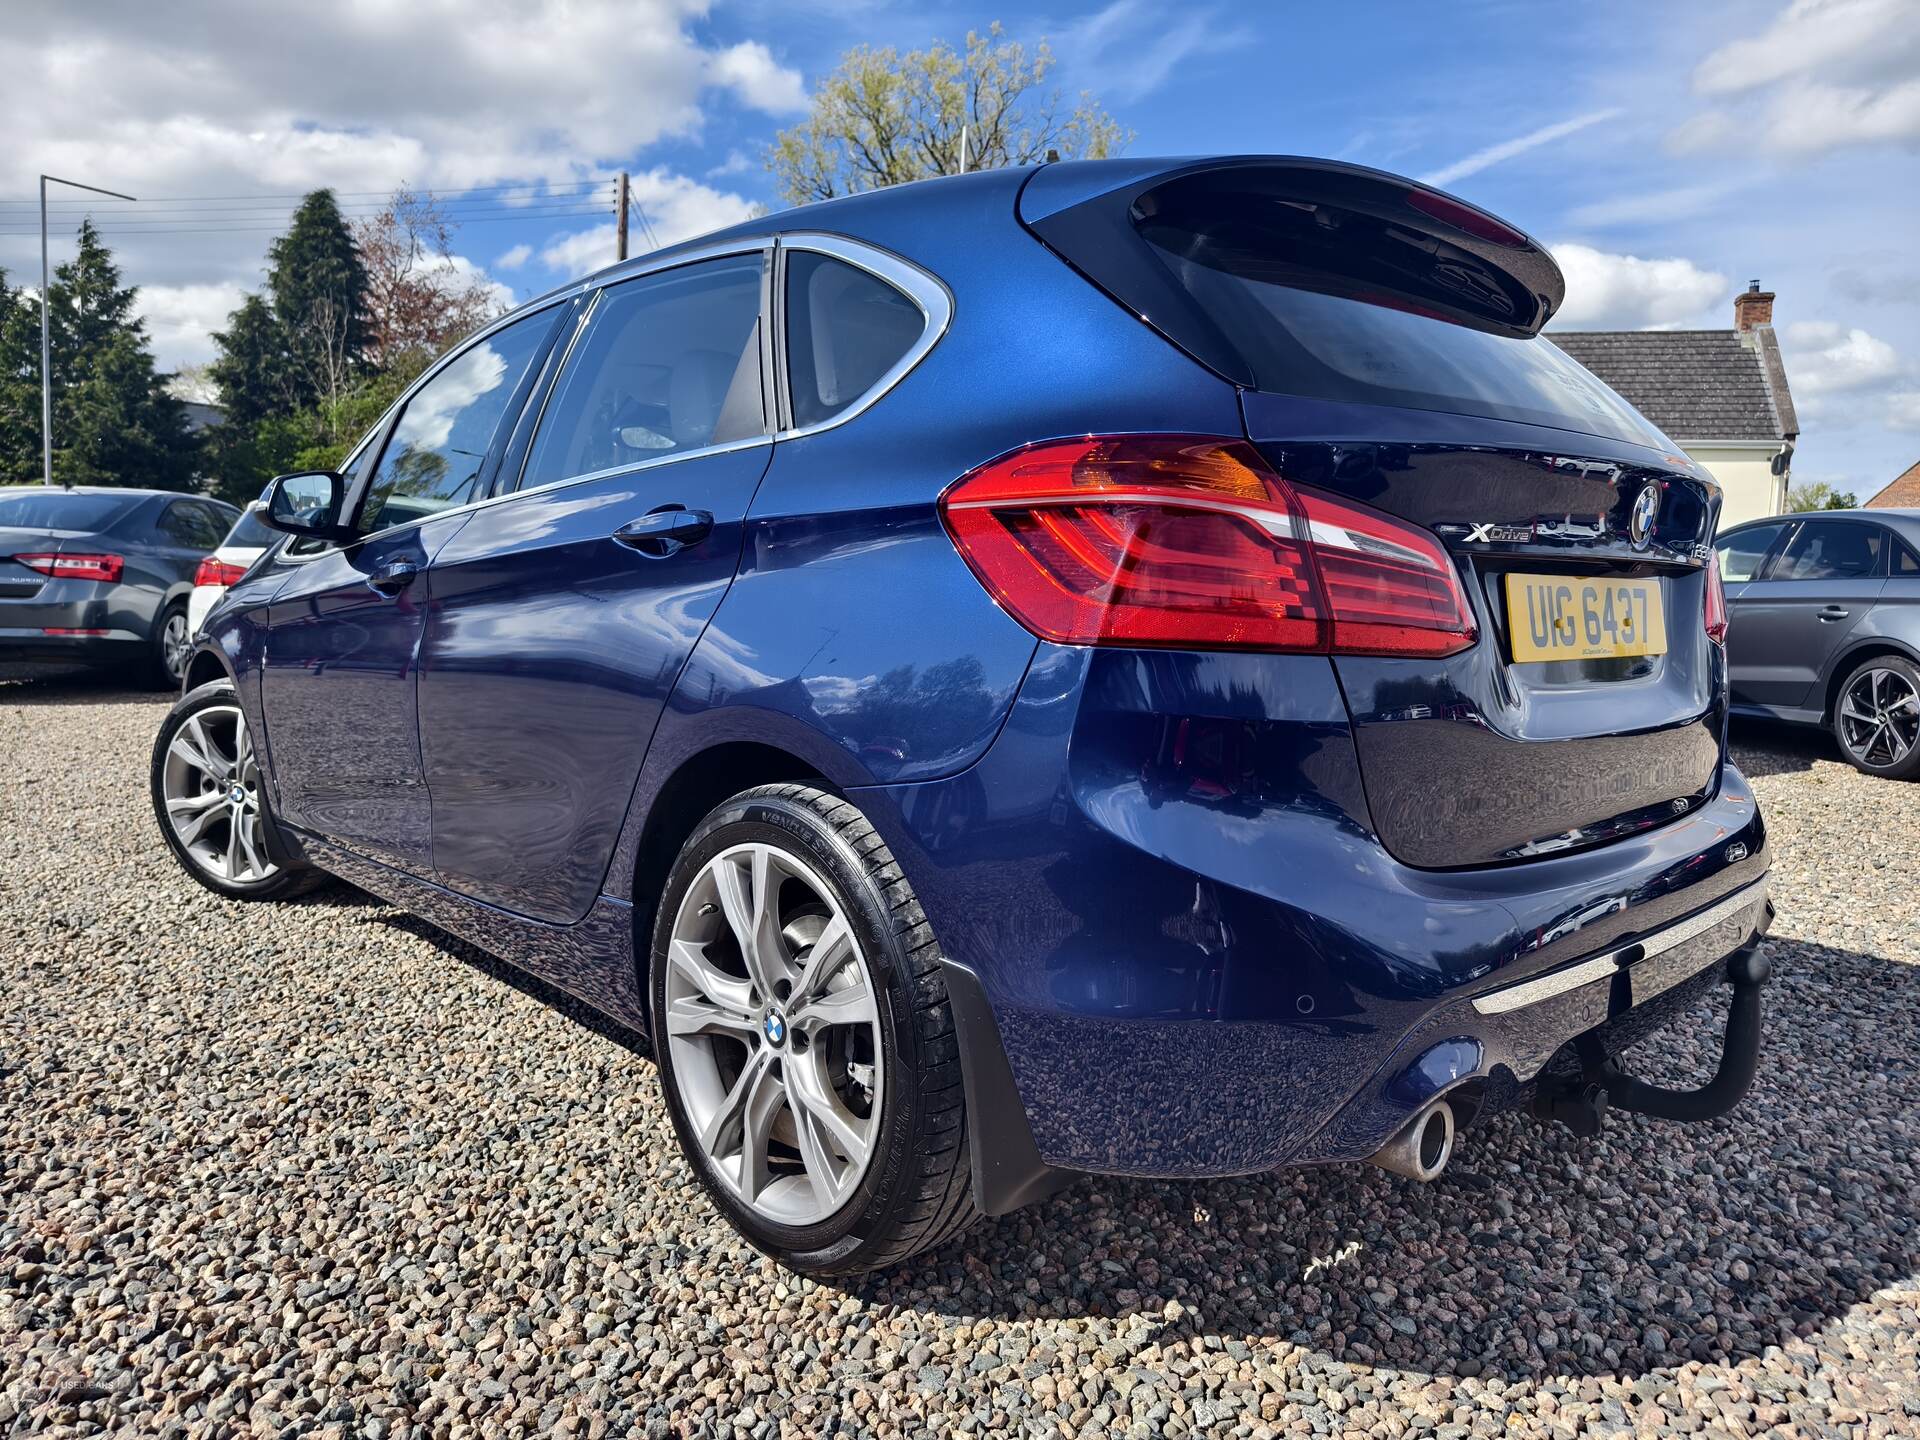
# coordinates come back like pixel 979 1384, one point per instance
pixel 245 543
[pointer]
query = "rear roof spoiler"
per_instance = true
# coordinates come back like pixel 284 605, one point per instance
pixel 1479 270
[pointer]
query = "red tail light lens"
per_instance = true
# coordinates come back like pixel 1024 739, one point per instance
pixel 76 567
pixel 1194 542
pixel 1716 603
pixel 218 572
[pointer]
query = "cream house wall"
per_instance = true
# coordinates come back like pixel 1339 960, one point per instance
pixel 1749 489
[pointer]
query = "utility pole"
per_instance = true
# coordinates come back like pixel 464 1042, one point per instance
pixel 963 149
pixel 620 221
pixel 46 333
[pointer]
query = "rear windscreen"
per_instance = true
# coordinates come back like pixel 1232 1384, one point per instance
pixel 48 509
pixel 1332 346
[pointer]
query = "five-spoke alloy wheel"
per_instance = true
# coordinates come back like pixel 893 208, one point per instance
pixel 208 797
pixel 804 1036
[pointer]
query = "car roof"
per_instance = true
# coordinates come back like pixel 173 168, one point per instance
pixel 1907 521
pixel 131 490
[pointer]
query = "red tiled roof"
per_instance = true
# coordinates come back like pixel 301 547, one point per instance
pixel 1902 494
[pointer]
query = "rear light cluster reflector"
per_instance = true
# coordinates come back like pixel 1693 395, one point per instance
pixel 1194 542
pixel 1716 603
pixel 75 567
pixel 69 630
pixel 218 572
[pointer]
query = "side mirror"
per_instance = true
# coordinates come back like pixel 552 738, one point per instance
pixel 305 503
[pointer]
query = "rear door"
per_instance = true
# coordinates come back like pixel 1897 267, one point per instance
pixel 562 613
pixel 1743 556
pixel 1794 617
pixel 337 679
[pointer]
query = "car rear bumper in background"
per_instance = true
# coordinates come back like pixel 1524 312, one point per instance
pixel 21 645
pixel 1199 956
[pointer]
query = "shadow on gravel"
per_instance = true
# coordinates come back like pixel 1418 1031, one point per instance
pixel 42 686
pixel 1536 1253
pixel 1769 747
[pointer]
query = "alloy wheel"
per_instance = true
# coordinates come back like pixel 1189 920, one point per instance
pixel 176 645
pixel 1880 718
pixel 210 784
pixel 773 1025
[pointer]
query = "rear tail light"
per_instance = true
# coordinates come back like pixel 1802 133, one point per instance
pixel 218 572
pixel 75 567
pixel 1716 604
pixel 1193 542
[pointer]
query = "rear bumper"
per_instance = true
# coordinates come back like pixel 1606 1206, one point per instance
pixel 1220 970
pixel 34 646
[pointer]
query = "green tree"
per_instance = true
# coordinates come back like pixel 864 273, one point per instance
pixel 113 421
pixel 250 368
pixel 1819 495
pixel 883 118
pixel 319 290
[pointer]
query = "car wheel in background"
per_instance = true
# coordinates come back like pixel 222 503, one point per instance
pixel 1877 718
pixel 804 1037
pixel 211 804
pixel 172 648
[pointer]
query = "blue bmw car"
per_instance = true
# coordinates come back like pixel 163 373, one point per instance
pixel 1143 667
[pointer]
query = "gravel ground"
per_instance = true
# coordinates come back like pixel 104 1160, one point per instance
pixel 318 1168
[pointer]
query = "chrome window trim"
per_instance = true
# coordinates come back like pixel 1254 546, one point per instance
pixel 1603 966
pixel 920 286
pixel 746 245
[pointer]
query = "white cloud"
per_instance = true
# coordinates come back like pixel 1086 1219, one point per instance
pixel 1519 145
pixel 181 320
pixel 1824 358
pixel 751 72
pixel 1654 207
pixel 514 258
pixel 1129 49
pixel 736 163
pixel 1606 291
pixel 676 209
pixel 1903 410
pixel 1824 74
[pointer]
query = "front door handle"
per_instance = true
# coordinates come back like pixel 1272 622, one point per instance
pixel 663 532
pixel 1834 612
pixel 393 577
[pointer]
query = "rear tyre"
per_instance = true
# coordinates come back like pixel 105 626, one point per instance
pixel 211 804
pixel 805 1041
pixel 171 648
pixel 1876 718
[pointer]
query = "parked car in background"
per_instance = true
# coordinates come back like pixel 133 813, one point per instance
pixel 1824 628
pixel 1149 667
pixel 98 576
pixel 245 543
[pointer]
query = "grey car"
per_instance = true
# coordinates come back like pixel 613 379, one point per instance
pixel 101 576
pixel 1824 628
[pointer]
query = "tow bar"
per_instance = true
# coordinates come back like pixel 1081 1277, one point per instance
pixel 1581 1105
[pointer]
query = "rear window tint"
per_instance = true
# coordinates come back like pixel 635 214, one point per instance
pixel 62 510
pixel 248 534
pixel 1833 550
pixel 1293 309
pixel 845 330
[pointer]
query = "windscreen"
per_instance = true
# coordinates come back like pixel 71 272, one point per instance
pixel 1335 316
pixel 48 509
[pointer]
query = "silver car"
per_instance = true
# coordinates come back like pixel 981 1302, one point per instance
pixel 100 576
pixel 1824 628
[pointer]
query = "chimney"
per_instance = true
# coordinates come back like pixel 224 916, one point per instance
pixel 1752 307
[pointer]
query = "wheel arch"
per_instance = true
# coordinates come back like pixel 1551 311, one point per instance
pixel 1873 648
pixel 698 783
pixel 206 666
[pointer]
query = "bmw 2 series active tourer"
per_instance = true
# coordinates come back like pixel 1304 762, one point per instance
pixel 1138 666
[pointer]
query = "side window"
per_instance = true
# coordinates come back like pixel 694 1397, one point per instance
pixel 1742 554
pixel 1833 550
pixel 846 329
pixel 1905 563
pixel 669 362
pixel 440 442
pixel 188 524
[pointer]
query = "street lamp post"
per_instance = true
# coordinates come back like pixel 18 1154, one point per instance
pixel 46 333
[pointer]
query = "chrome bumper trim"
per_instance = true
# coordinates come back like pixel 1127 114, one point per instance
pixel 1599 967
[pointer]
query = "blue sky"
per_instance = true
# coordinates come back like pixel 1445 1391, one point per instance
pixel 1668 153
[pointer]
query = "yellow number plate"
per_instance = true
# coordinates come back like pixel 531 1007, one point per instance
pixel 1561 617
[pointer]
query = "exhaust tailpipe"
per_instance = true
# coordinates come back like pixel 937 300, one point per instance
pixel 1423 1146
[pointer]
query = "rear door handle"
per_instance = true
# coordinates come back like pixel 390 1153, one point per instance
pixel 1834 612
pixel 663 532
pixel 393 577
